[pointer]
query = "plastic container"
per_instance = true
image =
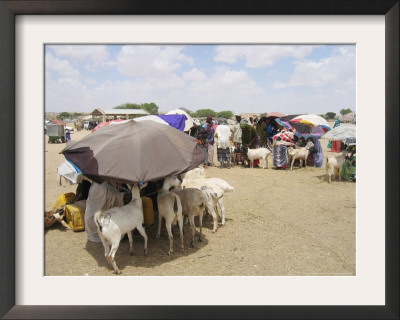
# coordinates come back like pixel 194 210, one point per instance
pixel 62 200
pixel 75 216
pixel 148 212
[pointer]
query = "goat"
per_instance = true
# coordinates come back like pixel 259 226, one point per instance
pixel 213 195
pixel 260 153
pixel 301 154
pixel 219 185
pixel 170 208
pixel 333 163
pixel 113 223
pixel 193 204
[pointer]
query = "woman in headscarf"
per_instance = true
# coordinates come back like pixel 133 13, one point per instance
pixel 318 156
pixel 281 141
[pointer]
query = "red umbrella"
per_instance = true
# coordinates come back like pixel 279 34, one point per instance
pixel 275 114
pixel 102 124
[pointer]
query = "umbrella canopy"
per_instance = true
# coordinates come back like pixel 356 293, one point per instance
pixel 177 121
pixel 188 123
pixel 102 124
pixel 305 128
pixel 342 132
pixel 120 121
pixel 134 151
pixel 312 120
pixel 275 115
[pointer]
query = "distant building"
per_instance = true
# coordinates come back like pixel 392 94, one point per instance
pixel 118 113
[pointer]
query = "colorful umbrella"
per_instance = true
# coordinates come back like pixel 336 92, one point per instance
pixel 342 132
pixel 312 120
pixel 306 125
pixel 134 151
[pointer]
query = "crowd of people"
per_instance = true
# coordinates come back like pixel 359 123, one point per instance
pixel 233 140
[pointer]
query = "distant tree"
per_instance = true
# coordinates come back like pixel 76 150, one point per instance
pixel 77 114
pixel 225 114
pixel 330 115
pixel 63 115
pixel 205 113
pixel 264 114
pixel 128 106
pixel 151 107
pixel 345 111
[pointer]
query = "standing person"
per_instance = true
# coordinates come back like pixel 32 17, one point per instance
pixel 101 197
pixel 200 133
pixel 318 156
pixel 237 140
pixel 210 138
pixel 281 142
pixel 223 134
pixel 67 135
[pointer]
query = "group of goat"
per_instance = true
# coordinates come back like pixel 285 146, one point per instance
pixel 189 195
pixel 333 163
pixel 295 153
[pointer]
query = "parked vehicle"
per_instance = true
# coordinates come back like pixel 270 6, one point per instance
pixel 56 133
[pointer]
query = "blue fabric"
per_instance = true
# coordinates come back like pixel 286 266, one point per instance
pixel 174 120
pixel 318 156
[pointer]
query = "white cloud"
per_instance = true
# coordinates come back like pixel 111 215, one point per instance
pixel 62 67
pixel 260 55
pixel 337 71
pixel 151 61
pixel 95 53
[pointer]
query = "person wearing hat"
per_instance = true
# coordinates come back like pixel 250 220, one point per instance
pixel 210 129
pixel 237 140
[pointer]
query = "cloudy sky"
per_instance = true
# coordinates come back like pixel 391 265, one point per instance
pixel 239 78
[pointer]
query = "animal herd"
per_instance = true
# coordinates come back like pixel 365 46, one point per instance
pixel 188 195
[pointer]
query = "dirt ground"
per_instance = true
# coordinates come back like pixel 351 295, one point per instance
pixel 278 223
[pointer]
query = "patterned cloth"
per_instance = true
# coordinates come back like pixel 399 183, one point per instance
pixel 224 155
pixel 284 138
pixel 280 156
pixel 239 156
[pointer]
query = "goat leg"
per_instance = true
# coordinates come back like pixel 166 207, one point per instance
pixel 180 223
pixel 171 238
pixel 130 242
pixel 201 226
pixel 144 235
pixel 191 220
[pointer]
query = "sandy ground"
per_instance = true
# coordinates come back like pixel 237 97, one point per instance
pixel 277 223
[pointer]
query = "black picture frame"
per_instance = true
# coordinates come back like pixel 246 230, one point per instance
pixel 8 11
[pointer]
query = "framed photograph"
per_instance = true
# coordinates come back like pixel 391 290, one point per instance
pixel 372 27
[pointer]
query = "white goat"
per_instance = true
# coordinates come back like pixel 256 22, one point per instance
pixel 213 195
pixel 113 223
pixel 193 204
pixel 333 163
pixel 216 183
pixel 301 154
pixel 170 208
pixel 260 153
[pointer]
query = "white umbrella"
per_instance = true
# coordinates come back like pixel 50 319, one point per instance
pixel 342 132
pixel 188 123
pixel 311 120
